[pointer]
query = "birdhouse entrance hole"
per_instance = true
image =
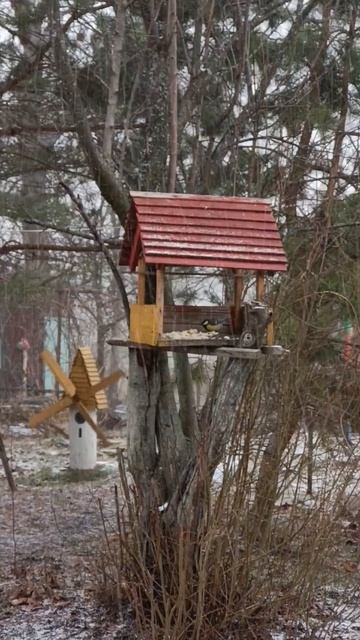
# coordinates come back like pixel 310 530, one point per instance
pixel 79 418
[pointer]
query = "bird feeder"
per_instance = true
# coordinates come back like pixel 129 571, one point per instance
pixel 83 396
pixel 169 230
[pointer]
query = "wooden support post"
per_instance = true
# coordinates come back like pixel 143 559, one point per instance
pixel 160 287
pixel 141 281
pixel 260 286
pixel 270 334
pixel 238 289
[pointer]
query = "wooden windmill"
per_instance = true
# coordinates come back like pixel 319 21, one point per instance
pixel 83 391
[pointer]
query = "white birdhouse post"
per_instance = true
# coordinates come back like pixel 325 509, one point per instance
pixel 83 441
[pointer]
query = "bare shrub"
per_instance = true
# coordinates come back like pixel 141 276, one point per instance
pixel 261 551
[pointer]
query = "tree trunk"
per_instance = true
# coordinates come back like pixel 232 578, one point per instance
pixel 173 150
pixel 189 504
pixel 116 59
pixel 174 447
pixel 143 396
pixel 5 461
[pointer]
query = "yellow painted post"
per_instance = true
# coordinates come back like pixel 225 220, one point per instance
pixel 160 288
pixel 270 334
pixel 144 323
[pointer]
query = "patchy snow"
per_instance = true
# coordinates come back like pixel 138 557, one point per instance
pixel 59 537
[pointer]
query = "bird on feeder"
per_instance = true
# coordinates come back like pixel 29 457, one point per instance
pixel 214 325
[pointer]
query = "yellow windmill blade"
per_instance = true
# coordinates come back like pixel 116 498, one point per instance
pixel 57 371
pixel 86 415
pixel 107 381
pixel 50 411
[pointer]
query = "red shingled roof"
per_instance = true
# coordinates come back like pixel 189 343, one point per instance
pixel 204 231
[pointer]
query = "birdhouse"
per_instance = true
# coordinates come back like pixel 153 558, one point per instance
pixel 164 231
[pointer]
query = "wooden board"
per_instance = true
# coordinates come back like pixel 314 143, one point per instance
pixel 58 373
pixel 270 334
pixel 239 352
pixel 206 346
pixel 141 281
pixel 50 411
pixel 108 380
pixel 160 293
pixel 144 323
pixel 238 291
pixel 274 350
pixel 260 286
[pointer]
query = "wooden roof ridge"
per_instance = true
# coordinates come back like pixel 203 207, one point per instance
pixel 231 232
pixel 194 196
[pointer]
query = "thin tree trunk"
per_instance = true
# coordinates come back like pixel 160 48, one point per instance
pixel 266 486
pixel 58 338
pixel 187 399
pixel 174 448
pixel 173 147
pixel 109 127
pixel 182 366
pixel 340 131
pixel 143 395
pixel 189 504
pixel 5 461
pixel 116 60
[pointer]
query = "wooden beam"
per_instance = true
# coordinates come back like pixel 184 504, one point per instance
pixel 274 350
pixel 50 411
pixel 58 373
pixel 160 288
pixel 141 281
pixel 260 286
pixel 270 334
pixel 107 381
pixel 239 352
pixel 238 289
pixel 135 249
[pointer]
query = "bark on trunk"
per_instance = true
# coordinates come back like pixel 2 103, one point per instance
pixel 143 395
pixel 189 504
pixel 174 448
pixel 187 400
pixel 5 461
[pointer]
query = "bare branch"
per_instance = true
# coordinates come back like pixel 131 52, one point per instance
pixel 104 177
pixel 109 259
pixel 10 247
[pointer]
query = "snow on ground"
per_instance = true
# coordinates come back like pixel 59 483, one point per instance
pixel 50 533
